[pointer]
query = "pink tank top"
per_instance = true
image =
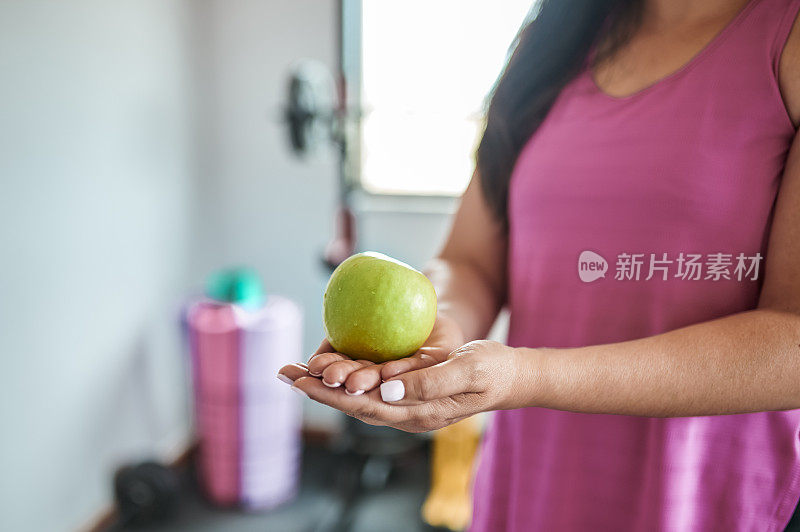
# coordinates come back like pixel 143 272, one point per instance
pixel 672 189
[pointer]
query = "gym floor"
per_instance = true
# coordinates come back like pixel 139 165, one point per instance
pixel 319 506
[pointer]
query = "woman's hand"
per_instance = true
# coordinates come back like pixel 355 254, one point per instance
pixel 476 377
pixel 360 376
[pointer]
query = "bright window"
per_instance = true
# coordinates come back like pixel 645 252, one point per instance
pixel 426 67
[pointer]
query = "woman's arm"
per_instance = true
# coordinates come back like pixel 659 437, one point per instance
pixel 747 362
pixel 470 272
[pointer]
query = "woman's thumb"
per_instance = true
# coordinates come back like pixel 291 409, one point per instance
pixel 427 384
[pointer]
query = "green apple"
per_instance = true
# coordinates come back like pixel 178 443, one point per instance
pixel 378 308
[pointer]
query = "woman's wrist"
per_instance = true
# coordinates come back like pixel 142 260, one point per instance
pixel 525 383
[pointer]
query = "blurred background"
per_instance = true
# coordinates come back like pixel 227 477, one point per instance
pixel 146 144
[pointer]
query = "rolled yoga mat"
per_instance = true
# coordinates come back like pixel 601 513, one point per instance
pixel 247 422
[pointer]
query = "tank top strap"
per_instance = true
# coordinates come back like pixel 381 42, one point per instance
pixel 764 24
pixel 785 21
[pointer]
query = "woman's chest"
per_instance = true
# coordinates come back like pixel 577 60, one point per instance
pixel 677 165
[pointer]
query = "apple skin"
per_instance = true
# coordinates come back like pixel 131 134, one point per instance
pixel 377 308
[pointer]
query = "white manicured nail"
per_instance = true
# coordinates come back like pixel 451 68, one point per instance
pixel 329 385
pixel 392 391
pixel 299 391
pixel 284 378
pixel 357 392
pixel 314 374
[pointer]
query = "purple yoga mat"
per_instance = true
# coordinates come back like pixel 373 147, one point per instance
pixel 271 413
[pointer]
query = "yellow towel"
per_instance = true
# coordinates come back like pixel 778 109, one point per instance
pixel 449 504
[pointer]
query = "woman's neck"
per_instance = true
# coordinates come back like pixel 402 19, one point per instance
pixel 669 13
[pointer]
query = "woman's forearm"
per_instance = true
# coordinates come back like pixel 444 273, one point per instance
pixel 464 296
pixel 745 362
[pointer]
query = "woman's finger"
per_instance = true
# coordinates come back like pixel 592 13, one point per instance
pixel 335 374
pixel 364 379
pixel 425 357
pixel 320 361
pixel 324 347
pixel 292 372
pixel 364 406
pixel 452 377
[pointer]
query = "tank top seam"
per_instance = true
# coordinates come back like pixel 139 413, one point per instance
pixel 778 45
pixel 701 56
pixel 786 21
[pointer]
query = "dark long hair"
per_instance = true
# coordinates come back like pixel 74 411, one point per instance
pixel 552 47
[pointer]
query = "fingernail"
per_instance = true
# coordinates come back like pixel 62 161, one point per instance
pixel 392 391
pixel 357 392
pixel 329 385
pixel 284 378
pixel 314 374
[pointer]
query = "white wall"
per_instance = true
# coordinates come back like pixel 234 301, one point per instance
pixel 95 195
